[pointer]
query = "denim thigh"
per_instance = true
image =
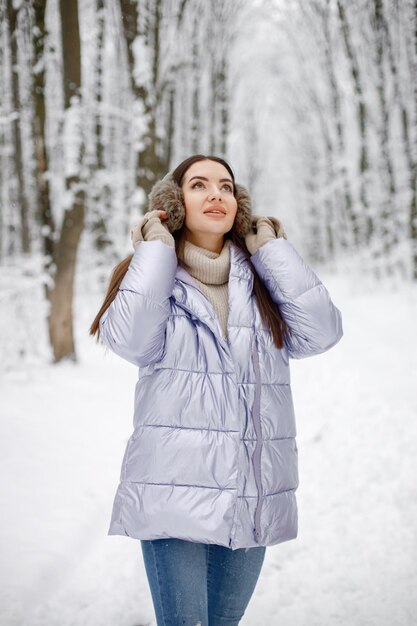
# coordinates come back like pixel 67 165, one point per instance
pixel 197 584
pixel 231 579
pixel 177 575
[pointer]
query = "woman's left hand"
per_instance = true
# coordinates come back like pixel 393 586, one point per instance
pixel 263 229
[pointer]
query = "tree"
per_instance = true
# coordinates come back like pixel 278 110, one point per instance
pixel 143 25
pixel 65 242
pixel 413 155
pixel 44 210
pixel 21 200
pixel 362 121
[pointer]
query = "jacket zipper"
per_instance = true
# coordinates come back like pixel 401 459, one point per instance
pixel 256 458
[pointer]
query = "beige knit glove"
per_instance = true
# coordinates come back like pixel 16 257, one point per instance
pixel 149 228
pixel 263 229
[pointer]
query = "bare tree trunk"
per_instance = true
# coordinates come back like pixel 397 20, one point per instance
pixel 3 221
pixel 102 193
pixel 387 227
pixel 343 186
pixel 43 202
pixel 170 126
pixel 223 105
pixel 213 117
pixel 151 164
pixel 8 188
pixel 195 68
pixel 362 117
pixel 220 38
pixel 315 219
pixel 406 130
pixel 98 80
pixel 21 194
pixel 152 159
pixel 253 156
pixel 61 296
pixel 129 10
pixel 327 225
pixel 413 177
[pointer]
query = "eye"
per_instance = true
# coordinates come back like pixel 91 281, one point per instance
pixel 197 183
pixel 228 187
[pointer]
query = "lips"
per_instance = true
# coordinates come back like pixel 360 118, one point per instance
pixel 212 210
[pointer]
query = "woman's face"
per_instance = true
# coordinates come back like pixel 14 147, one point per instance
pixel 210 206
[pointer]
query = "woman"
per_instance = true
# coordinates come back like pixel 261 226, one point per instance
pixel 213 304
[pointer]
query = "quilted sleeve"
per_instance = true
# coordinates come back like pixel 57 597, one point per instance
pixel 314 322
pixel 134 324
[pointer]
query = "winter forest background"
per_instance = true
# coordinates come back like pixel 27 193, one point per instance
pixel 314 103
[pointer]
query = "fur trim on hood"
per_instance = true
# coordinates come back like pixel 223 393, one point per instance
pixel 167 196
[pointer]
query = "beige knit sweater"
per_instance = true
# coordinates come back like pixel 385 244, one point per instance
pixel 209 269
pixel 211 272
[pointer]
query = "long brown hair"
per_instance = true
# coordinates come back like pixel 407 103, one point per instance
pixel 268 309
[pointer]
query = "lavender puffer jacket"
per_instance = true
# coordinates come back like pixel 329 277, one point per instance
pixel 213 457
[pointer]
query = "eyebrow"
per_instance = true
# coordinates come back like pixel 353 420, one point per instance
pixel 222 180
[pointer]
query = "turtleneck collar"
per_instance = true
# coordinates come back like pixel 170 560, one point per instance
pixel 206 266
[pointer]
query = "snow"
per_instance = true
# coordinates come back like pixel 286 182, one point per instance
pixel 63 431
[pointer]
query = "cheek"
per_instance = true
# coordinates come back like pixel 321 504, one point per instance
pixel 191 210
pixel 234 207
pixel 188 204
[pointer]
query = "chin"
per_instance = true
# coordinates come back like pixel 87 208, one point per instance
pixel 219 228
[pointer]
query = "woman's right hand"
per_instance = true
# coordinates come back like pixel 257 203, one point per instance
pixel 151 227
pixel 263 230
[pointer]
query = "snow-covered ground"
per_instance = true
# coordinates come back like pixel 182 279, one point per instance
pixel 63 431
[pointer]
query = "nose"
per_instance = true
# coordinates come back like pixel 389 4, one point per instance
pixel 215 194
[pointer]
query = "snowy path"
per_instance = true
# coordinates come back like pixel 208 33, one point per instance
pixel 63 430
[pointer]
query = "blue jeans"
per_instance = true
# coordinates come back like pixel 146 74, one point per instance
pixel 198 584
